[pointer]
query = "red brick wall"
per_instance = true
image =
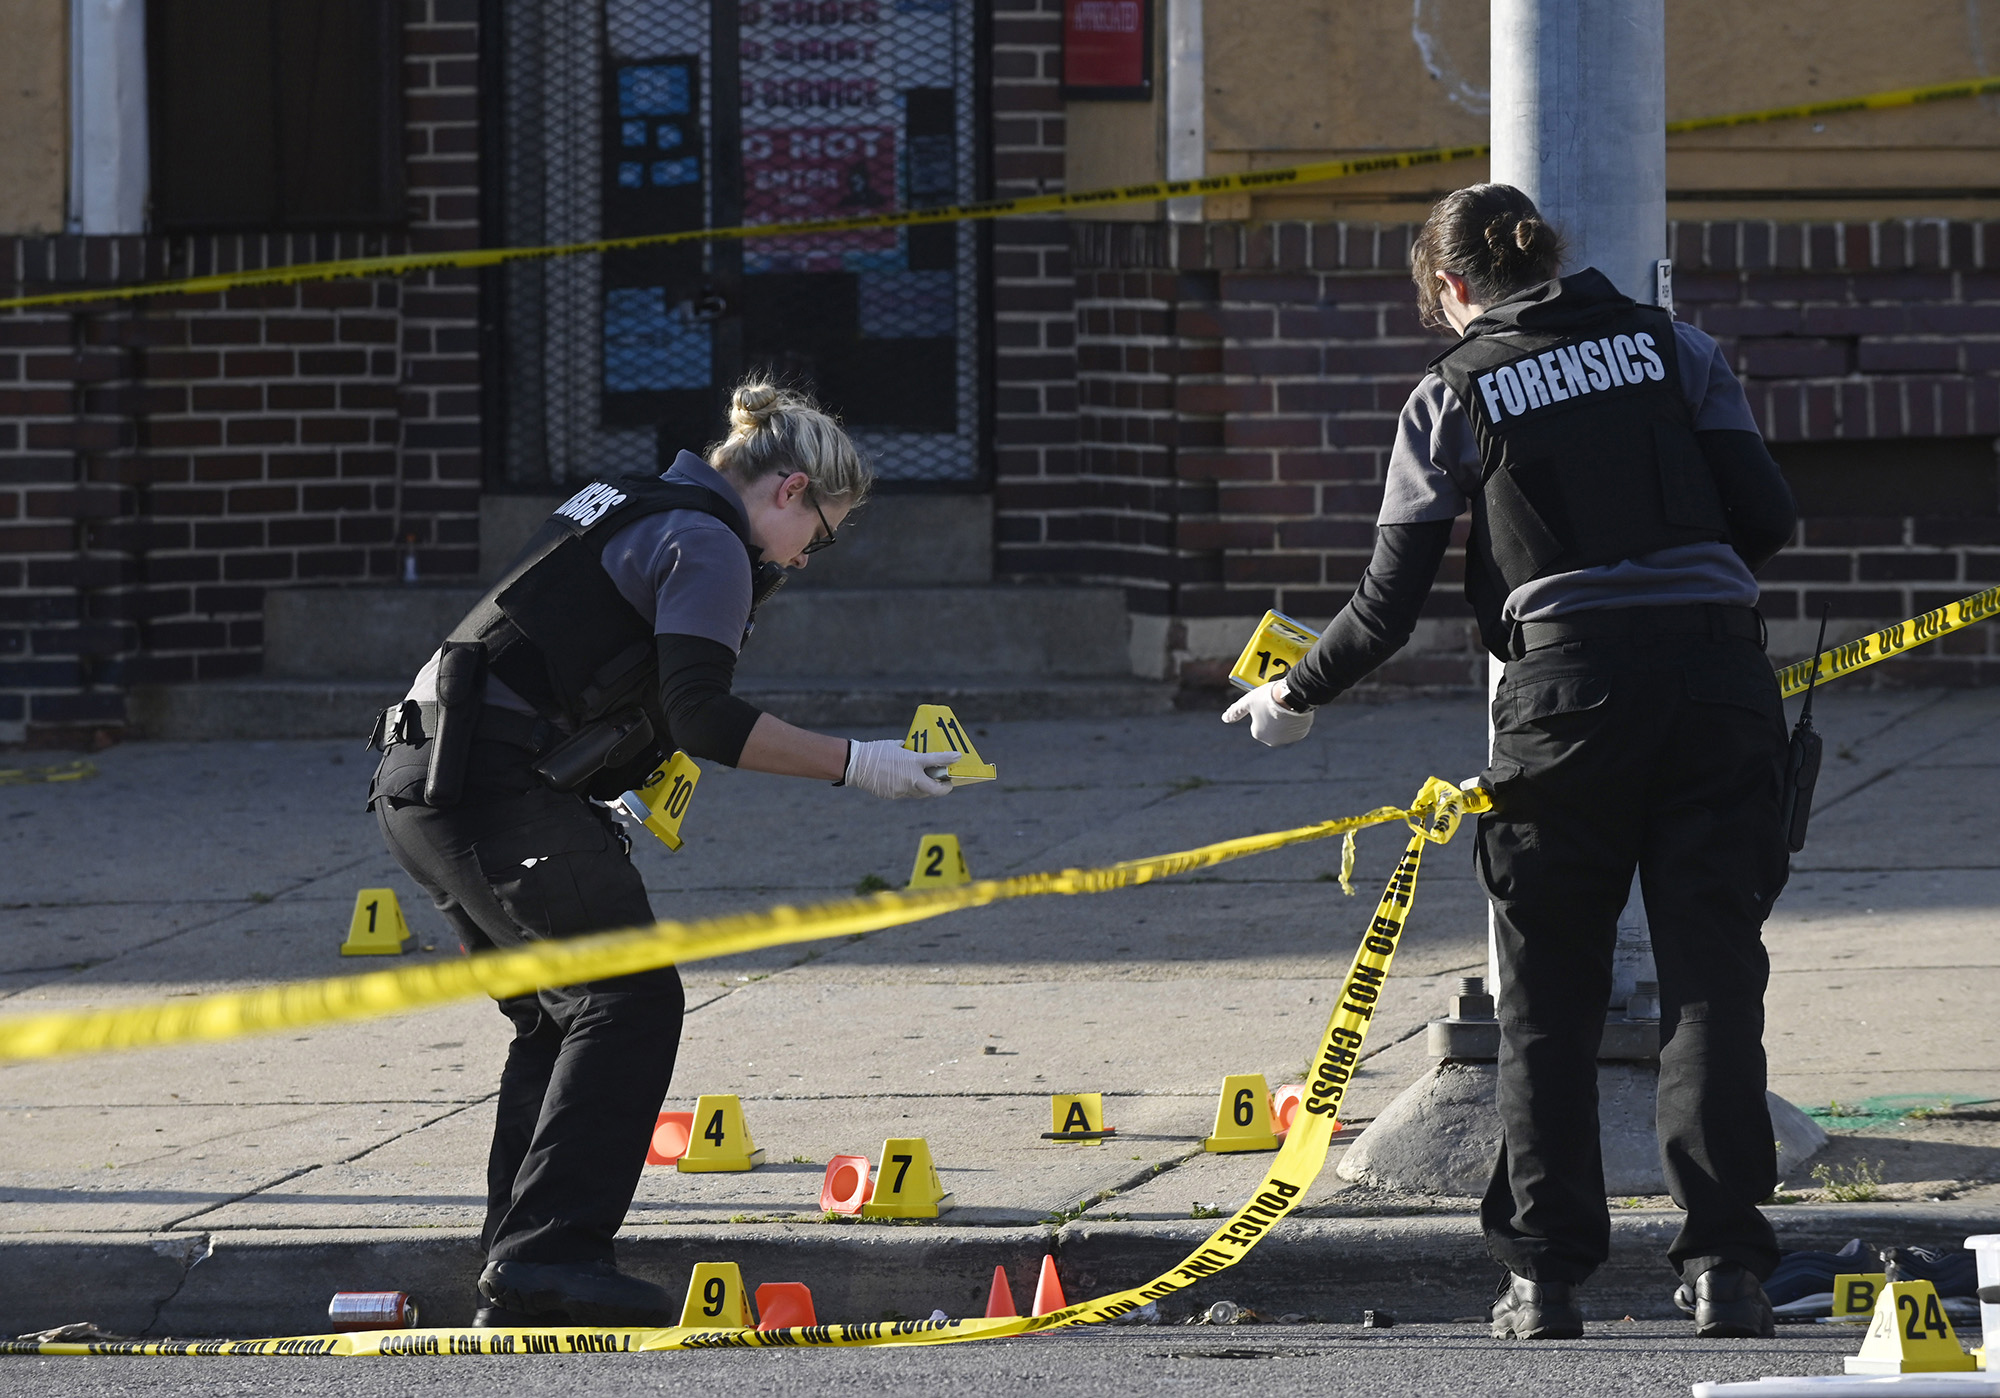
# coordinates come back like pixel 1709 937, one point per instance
pixel 1880 341
pixel 1240 386
pixel 1033 292
pixel 165 462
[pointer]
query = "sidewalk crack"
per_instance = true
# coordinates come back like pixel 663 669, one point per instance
pixel 191 1258
pixel 231 911
pixel 343 1160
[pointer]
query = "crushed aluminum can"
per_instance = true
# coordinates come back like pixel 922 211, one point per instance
pixel 1224 1313
pixel 371 1310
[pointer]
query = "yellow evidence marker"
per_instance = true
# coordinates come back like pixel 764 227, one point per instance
pixel 1078 1116
pixel 1243 1116
pixel 1855 1294
pixel 720 1141
pixel 1910 1334
pixel 663 800
pixel 716 1299
pixel 377 927
pixel 936 729
pixel 940 863
pixel 1275 647
pixel 906 1182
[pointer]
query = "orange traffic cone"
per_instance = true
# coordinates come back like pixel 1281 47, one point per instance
pixel 1048 1291
pixel 670 1138
pixel 784 1306
pixel 1285 1104
pixel 847 1186
pixel 1000 1300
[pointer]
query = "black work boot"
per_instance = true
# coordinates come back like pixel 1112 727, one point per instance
pixel 1532 1310
pixel 576 1293
pixel 1729 1304
pixel 492 1317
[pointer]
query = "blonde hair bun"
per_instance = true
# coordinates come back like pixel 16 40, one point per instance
pixel 774 430
pixel 754 401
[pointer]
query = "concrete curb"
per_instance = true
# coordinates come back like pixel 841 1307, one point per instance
pixel 1434 1267
pixel 1422 1267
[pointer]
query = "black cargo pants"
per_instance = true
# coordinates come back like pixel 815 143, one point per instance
pixel 1664 753
pixel 589 1066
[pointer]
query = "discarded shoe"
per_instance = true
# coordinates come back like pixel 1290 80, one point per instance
pixel 1801 1287
pixel 1532 1310
pixel 1952 1273
pixel 587 1293
pixel 1729 1304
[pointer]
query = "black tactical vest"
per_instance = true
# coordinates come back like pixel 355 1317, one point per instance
pixel 1586 445
pixel 556 629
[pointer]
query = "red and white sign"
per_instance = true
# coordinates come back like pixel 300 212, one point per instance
pixel 1104 47
pixel 792 173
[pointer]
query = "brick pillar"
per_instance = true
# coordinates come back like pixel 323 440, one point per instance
pixel 438 403
pixel 69 572
pixel 1033 292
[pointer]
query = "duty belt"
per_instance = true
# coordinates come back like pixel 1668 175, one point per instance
pixel 1638 623
pixel 412 721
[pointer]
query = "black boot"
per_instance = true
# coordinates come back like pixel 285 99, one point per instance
pixel 1729 1304
pixel 580 1293
pixel 492 1317
pixel 1531 1310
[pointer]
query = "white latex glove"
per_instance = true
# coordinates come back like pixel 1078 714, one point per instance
pixel 886 768
pixel 1271 723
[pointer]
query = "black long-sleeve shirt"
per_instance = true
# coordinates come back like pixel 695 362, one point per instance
pixel 1435 466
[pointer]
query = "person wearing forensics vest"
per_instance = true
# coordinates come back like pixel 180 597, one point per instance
pixel 608 644
pixel 1621 500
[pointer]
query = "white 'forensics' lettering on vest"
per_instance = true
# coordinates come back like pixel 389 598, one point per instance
pixel 1569 371
pixel 591 504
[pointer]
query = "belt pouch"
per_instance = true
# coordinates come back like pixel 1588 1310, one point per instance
pixel 461 688
pixel 608 742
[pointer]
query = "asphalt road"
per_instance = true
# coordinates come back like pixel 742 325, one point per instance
pixel 1640 1359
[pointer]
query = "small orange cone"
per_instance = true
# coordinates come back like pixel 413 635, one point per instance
pixel 1048 1291
pixel 847 1186
pixel 1285 1104
pixel 670 1138
pixel 1000 1300
pixel 784 1306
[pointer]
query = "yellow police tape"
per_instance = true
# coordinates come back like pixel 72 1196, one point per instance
pixel 63 772
pixel 1279 643
pixel 1434 817
pixel 1249 182
pixel 607 954
pixel 1891 640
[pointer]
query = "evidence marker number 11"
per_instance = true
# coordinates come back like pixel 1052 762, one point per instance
pixel 936 729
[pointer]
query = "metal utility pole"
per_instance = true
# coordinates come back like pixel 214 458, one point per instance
pixel 1579 121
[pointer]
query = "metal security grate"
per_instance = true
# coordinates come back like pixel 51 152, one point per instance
pixel 616 122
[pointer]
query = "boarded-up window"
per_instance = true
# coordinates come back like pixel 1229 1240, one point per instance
pixel 273 114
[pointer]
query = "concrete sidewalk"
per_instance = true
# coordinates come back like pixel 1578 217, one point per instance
pixel 293 1165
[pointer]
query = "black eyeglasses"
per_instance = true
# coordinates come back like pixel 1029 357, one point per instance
pixel 831 537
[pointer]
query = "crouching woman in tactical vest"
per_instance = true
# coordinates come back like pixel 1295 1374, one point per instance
pixel 1621 499
pixel 610 642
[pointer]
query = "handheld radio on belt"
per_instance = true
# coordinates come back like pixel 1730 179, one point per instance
pixel 1802 759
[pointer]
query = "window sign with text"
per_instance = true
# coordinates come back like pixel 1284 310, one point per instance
pixel 1108 49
